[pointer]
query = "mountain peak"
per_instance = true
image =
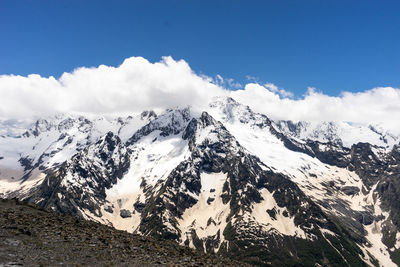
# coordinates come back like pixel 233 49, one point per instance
pixel 171 122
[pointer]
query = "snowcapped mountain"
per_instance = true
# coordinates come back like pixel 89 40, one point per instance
pixel 340 133
pixel 226 180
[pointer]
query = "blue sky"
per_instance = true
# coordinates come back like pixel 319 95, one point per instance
pixel 334 46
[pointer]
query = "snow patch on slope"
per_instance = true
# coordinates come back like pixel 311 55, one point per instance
pixel 155 156
pixel 208 216
pixel 284 224
pixel 8 186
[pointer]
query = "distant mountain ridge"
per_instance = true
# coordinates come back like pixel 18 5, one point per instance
pixel 341 133
pixel 227 180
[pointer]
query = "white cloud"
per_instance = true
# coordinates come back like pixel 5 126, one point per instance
pixel 272 87
pixel 138 85
pixel 133 86
pixel 378 105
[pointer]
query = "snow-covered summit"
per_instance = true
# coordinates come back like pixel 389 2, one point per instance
pixel 344 134
pixel 341 133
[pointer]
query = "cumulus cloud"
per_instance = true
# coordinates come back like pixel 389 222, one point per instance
pixel 272 87
pixel 378 105
pixel 138 85
pixel 135 85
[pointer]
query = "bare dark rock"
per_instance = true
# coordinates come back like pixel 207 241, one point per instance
pixel 125 213
pixel 350 190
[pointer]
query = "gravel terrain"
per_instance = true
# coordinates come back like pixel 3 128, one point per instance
pixel 30 236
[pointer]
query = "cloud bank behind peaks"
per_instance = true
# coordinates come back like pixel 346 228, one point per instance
pixel 134 86
pixel 380 105
pixel 138 85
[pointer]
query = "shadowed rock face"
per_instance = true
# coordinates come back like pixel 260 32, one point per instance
pixel 221 198
pixel 80 184
pixel 389 185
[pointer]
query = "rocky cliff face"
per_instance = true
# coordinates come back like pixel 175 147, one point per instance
pixel 79 184
pixel 227 181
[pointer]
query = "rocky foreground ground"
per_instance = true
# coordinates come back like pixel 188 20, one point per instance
pixel 30 236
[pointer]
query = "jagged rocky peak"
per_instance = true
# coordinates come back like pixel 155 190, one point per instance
pixel 59 122
pixel 66 124
pixel 207 120
pixel 40 126
pixel 386 136
pixel 148 114
pixel 83 124
pixel 78 186
pixel 79 122
pixel 104 149
pixel 323 132
pixel 171 122
pixel 108 155
pixel 294 128
pixel 107 145
pixel 228 110
pixel 206 131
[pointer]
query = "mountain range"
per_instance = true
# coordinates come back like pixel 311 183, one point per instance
pixel 222 180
